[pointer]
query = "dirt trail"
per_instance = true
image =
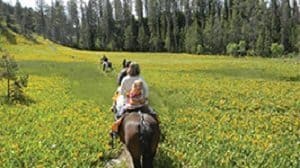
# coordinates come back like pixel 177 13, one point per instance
pixel 124 160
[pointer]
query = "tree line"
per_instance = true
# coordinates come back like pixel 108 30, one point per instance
pixel 252 27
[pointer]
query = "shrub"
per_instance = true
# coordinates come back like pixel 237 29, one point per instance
pixel 17 93
pixel 242 48
pixel 298 46
pixel 277 50
pixel 232 49
pixel 15 82
pixel 200 49
pixel 251 52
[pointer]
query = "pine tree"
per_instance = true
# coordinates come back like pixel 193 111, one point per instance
pixel 295 27
pixel 192 37
pixel 15 81
pixel 161 25
pixel 250 22
pixel 264 40
pixel 143 39
pixel 41 20
pixel 126 12
pixel 175 32
pixel 286 25
pixel 226 10
pixel 169 36
pixel 9 68
pixel 1 10
pixel 235 22
pixel 118 25
pixel 74 22
pixel 108 25
pixel 18 12
pixel 154 26
pixel 84 26
pixel 275 25
pixel 130 39
pixel 139 9
pixel 100 43
pixel 220 30
pixel 187 13
pixel 213 35
pixel 92 24
pixel 58 20
pixel 28 23
pixel 118 10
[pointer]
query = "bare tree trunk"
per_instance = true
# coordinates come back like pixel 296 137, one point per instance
pixel 8 89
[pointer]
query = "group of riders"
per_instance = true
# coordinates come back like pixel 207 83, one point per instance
pixel 132 94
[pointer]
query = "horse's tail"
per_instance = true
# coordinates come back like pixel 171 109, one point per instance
pixel 145 137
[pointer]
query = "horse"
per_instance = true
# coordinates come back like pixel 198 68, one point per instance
pixel 125 63
pixel 140 133
pixel 107 65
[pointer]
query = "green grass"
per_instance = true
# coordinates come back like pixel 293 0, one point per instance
pixel 87 81
pixel 215 111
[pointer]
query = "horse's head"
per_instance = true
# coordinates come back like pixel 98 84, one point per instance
pixel 126 63
pixel 103 59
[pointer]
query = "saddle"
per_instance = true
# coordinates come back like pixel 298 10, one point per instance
pixel 143 109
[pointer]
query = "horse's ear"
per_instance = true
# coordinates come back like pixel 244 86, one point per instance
pixel 124 63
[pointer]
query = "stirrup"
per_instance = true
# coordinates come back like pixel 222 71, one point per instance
pixel 113 134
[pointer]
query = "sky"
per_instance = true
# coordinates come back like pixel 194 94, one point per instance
pixel 31 3
pixel 28 3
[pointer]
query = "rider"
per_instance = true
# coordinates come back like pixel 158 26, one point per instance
pixel 123 72
pixel 140 99
pixel 105 62
pixel 135 98
pixel 133 74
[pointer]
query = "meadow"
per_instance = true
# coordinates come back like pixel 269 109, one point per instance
pixel 215 111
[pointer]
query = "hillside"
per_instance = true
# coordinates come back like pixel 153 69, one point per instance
pixel 215 111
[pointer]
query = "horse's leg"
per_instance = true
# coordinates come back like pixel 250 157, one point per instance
pixel 147 160
pixel 137 163
pixel 133 145
pixel 150 149
pixel 135 155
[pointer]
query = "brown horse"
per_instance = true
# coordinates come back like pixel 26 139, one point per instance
pixel 140 133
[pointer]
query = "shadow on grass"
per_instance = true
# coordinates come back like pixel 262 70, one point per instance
pixel 32 39
pixel 25 101
pixel 292 78
pixel 243 73
pixel 163 160
pixel 86 80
